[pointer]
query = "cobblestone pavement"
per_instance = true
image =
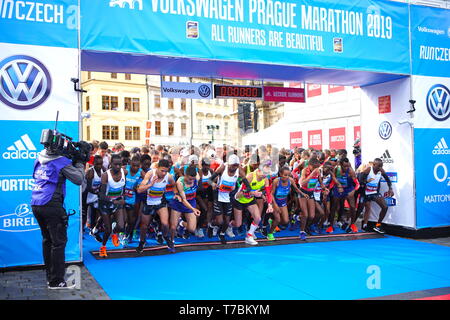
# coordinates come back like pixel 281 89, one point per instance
pixel 31 284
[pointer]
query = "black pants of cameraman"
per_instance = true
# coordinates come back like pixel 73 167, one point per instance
pixel 53 222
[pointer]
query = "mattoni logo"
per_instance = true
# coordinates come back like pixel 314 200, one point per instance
pixel 385 130
pixel 22 220
pixel 386 157
pixel 441 147
pixel 438 102
pixel 125 3
pixel 21 149
pixel 25 82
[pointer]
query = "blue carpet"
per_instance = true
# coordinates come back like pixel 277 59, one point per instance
pixel 325 270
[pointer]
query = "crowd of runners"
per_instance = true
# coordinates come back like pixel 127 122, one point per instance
pixel 222 192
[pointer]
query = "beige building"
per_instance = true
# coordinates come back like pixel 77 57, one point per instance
pixel 117 108
pixel 128 108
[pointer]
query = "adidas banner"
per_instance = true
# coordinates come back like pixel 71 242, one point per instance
pixel 18 149
pixel 432 153
pixel 384 137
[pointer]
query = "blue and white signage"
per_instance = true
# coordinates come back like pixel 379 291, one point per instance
pixel 385 130
pixel 430 31
pixel 438 102
pixel 19 148
pixel 186 90
pixel 325 33
pixel 25 82
pixel 432 177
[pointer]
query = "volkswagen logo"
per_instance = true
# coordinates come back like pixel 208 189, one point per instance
pixel 385 130
pixel 204 91
pixel 438 102
pixel 25 82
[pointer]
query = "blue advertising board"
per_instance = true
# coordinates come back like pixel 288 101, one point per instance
pixel 19 148
pixel 43 23
pixel 432 162
pixel 350 35
pixel 430 37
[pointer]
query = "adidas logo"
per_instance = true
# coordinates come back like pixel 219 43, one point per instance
pixel 386 157
pixel 441 147
pixel 21 149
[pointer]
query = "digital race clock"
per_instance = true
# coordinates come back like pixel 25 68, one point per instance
pixel 238 92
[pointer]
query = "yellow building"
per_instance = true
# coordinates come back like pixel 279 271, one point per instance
pixel 128 108
pixel 117 106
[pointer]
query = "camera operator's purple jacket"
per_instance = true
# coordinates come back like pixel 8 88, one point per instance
pixel 50 174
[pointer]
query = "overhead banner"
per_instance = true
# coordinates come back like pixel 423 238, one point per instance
pixel 38 59
pixel 337 138
pixel 186 90
pixel 325 34
pixel 282 94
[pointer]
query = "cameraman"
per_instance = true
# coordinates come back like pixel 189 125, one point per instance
pixel 50 173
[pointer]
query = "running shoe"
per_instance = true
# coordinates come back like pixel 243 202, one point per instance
pixel 250 240
pixel 215 230
pixel 354 228
pixel 170 245
pixel 378 228
pixel 209 231
pixel 344 226
pixel 222 238
pixel 125 242
pixel 159 238
pixel 98 238
pixel 135 235
pixel 201 235
pixel 102 253
pixel 265 230
pixel 330 229
pixel 61 285
pixel 302 235
pixel 140 247
pixel 229 232
pixel 366 228
pixel 93 231
pixel 113 226
pixel 270 237
pixel 122 238
pixel 180 229
pixel 277 229
pixel 115 240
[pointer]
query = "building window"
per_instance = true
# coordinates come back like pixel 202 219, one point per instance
pixel 157 128
pixel 170 104
pixel 183 130
pixel 183 104
pixel 131 104
pixel 88 106
pixel 171 128
pixel 157 101
pixel 127 76
pixel 132 133
pixel 225 129
pixel 110 103
pixel 113 75
pixel 199 125
pixel 88 133
pixel 110 132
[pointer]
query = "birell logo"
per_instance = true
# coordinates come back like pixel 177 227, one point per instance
pixel 21 220
pixel 25 82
